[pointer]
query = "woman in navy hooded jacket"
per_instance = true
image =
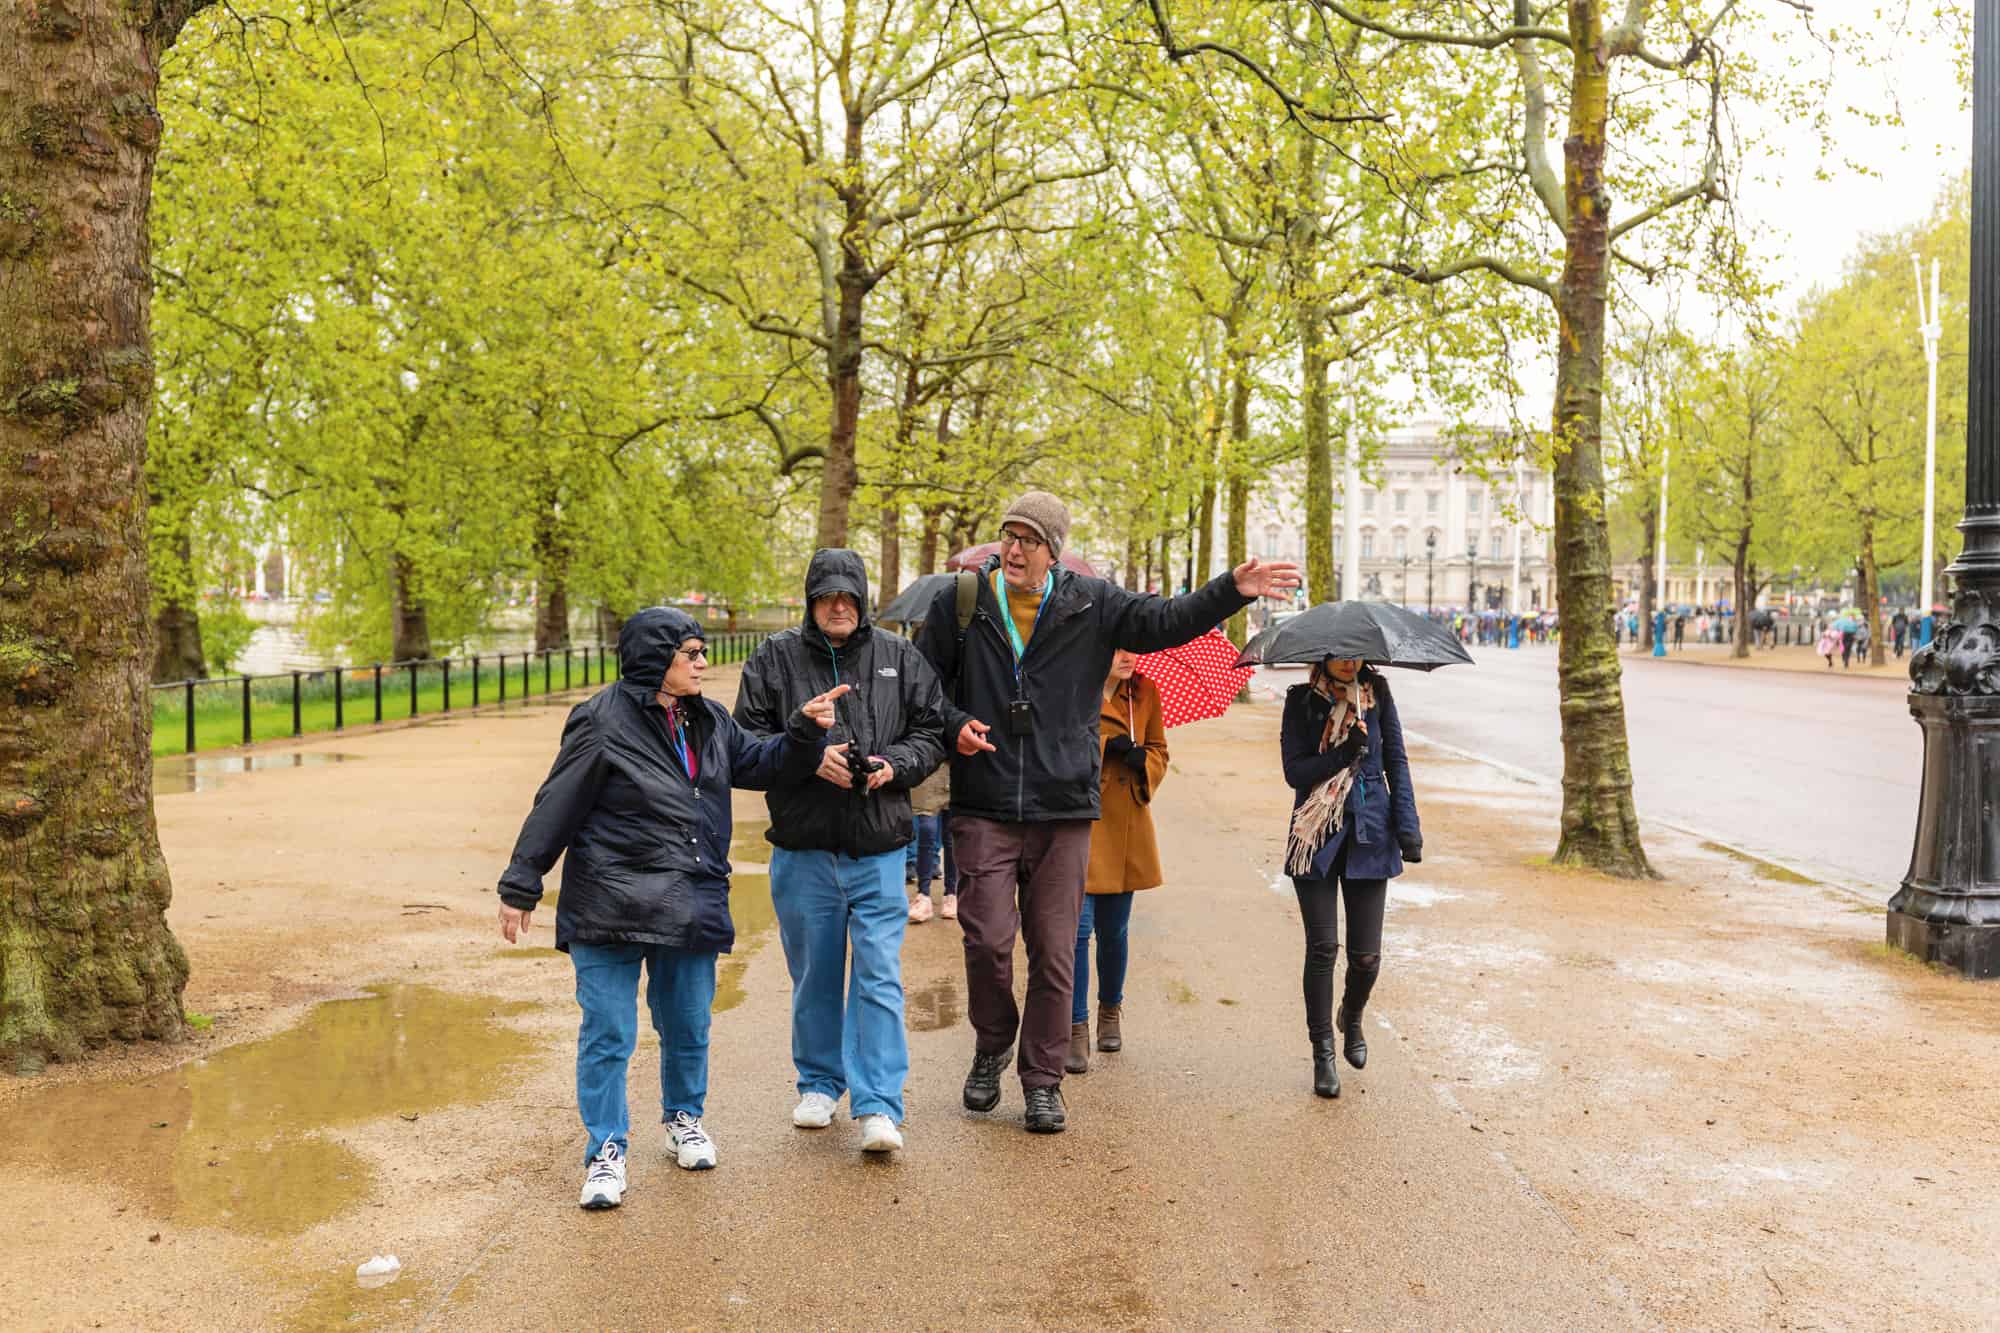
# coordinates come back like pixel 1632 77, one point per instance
pixel 1354 825
pixel 637 805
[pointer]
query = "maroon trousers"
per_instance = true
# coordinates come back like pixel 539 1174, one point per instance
pixel 1025 880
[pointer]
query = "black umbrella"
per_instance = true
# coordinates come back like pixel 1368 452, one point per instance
pixel 914 602
pixel 1377 632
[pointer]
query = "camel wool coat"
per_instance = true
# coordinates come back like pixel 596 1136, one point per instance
pixel 1124 854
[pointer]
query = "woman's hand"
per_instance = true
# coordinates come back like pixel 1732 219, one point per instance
pixel 821 709
pixel 514 922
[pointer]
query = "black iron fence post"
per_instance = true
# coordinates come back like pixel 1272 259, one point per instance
pixel 378 694
pixel 445 666
pixel 297 729
pixel 413 689
pixel 188 696
pixel 246 710
pixel 527 686
pixel 503 677
pixel 566 656
pixel 548 677
pixel 475 680
pixel 339 698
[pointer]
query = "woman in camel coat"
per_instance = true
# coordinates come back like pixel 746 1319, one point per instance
pixel 1124 854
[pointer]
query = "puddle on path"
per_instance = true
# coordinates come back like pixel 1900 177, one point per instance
pixel 750 909
pixel 175 774
pixel 935 1006
pixel 1408 893
pixel 234 1140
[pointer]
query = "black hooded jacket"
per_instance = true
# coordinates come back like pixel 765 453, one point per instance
pixel 1052 773
pixel 896 711
pixel 646 852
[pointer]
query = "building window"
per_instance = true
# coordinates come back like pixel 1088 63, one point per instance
pixel 1495 545
pixel 1367 546
pixel 1402 501
pixel 1271 541
pixel 1367 502
pixel 1402 546
pixel 1473 499
pixel 1431 502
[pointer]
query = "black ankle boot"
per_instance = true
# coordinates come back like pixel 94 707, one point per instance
pixel 1326 1072
pixel 1360 981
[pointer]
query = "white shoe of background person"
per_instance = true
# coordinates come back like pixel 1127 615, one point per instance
pixel 693 1149
pixel 879 1134
pixel 950 910
pixel 920 909
pixel 604 1180
pixel 814 1111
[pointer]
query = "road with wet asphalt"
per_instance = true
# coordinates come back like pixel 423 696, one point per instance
pixel 1818 774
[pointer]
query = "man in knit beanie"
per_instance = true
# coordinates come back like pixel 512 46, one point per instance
pixel 1024 687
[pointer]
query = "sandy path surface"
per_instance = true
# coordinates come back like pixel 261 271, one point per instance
pixel 1711 1101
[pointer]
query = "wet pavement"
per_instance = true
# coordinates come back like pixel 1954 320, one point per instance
pixel 178 774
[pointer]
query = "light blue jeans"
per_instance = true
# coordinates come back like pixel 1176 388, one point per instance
pixel 856 1044
pixel 680 989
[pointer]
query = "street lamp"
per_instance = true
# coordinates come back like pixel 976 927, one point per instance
pixel 1472 575
pixel 1404 600
pixel 1948 908
pixel 1430 569
pixel 1932 329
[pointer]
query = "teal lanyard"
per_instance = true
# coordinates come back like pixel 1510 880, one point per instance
pixel 1007 617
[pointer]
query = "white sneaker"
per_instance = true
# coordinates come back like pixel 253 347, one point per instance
pixel 693 1149
pixel 879 1134
pixel 604 1182
pixel 814 1111
pixel 920 909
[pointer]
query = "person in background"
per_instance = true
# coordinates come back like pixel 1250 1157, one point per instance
pixel 837 839
pixel 1829 644
pixel 637 806
pixel 1124 852
pixel 1354 827
pixel 933 847
pixel 1899 631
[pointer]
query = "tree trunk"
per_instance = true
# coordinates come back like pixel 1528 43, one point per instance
pixel 891 571
pixel 552 556
pixel 1742 585
pixel 85 953
pixel 609 623
pixel 927 544
pixel 1600 823
pixel 409 619
pixel 1871 592
pixel 840 474
pixel 177 651
pixel 1648 572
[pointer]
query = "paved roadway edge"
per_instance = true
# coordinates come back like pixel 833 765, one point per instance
pixel 1846 888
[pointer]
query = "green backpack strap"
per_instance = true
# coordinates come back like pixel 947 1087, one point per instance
pixel 968 600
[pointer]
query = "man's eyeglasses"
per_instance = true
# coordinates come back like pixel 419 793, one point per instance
pixel 693 654
pixel 1027 541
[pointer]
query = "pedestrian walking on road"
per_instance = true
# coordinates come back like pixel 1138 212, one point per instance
pixel 1680 630
pixel 1829 644
pixel 1124 852
pixel 935 861
pixel 1354 827
pixel 1026 679
pixel 837 837
pixel 1899 630
pixel 637 806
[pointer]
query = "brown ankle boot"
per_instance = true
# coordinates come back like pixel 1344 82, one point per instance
pixel 1108 1037
pixel 1078 1060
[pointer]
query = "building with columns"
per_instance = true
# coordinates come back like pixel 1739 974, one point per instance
pixel 1416 490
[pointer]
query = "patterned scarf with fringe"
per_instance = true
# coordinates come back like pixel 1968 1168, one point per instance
pixel 1319 815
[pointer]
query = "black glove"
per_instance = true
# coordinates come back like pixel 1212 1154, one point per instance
pixel 1134 758
pixel 1413 849
pixel 1117 748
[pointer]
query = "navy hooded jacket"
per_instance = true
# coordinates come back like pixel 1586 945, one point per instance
pixel 645 851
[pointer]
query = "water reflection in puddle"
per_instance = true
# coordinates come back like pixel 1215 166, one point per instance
pixel 179 773
pixel 235 1140
pixel 935 1006
pixel 749 908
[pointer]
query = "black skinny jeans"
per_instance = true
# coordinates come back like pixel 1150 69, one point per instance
pixel 1319 905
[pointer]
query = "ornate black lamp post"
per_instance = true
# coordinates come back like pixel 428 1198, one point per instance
pixel 1430 569
pixel 1948 909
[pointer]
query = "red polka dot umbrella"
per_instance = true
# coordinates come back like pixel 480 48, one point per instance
pixel 1196 680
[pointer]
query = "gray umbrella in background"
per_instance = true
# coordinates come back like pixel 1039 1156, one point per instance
pixel 914 602
pixel 1379 633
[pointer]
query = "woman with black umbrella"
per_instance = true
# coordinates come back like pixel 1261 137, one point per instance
pixel 1354 826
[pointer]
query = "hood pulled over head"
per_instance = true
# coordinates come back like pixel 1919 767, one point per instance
pixel 647 644
pixel 835 569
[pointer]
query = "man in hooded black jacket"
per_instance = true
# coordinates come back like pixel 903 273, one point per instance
pixel 838 836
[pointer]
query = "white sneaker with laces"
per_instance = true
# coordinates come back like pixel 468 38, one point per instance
pixel 920 909
pixel 604 1181
pixel 693 1149
pixel 814 1111
pixel 879 1134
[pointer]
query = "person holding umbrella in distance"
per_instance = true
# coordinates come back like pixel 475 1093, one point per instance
pixel 1354 814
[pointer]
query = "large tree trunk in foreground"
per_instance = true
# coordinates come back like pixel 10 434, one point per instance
pixel 85 953
pixel 409 618
pixel 1600 824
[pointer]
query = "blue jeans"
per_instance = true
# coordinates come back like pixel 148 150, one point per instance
pixel 933 837
pixel 825 902
pixel 1110 914
pixel 680 988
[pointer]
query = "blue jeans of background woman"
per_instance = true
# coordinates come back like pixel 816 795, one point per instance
pixel 1110 916
pixel 680 989
pixel 934 837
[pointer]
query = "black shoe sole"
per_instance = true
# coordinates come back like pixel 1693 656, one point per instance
pixel 1056 1128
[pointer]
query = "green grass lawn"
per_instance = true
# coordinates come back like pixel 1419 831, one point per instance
pixel 218 704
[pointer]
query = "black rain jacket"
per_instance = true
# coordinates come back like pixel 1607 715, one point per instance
pixel 645 852
pixel 1053 773
pixel 896 710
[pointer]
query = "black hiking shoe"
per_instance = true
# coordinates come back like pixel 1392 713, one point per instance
pixel 982 1085
pixel 1326 1070
pixel 1045 1111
